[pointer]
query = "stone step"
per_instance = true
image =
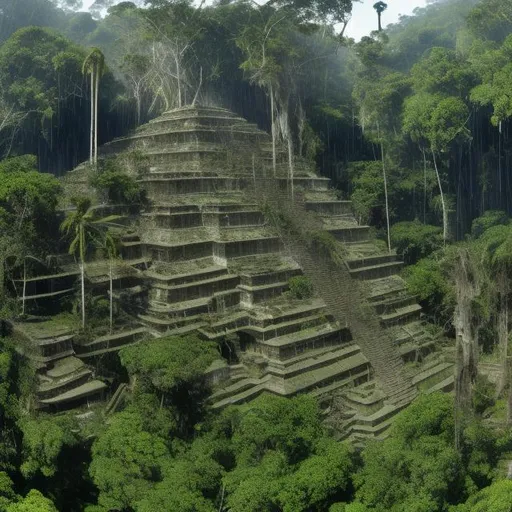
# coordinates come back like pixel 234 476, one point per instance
pixel 335 387
pixel 317 378
pixel 426 378
pixel 446 385
pixel 416 351
pixel 111 342
pixel 64 367
pixel 51 389
pixel 350 234
pixel 287 347
pixel 412 332
pixel 213 271
pixel 163 172
pixel 251 295
pixel 161 135
pixel 377 271
pixel 181 309
pixel 371 261
pixel 402 315
pixel 158 186
pixel 173 294
pixel 170 326
pixel 384 288
pixel 313 362
pixel 90 388
pixel 277 334
pixel 393 303
pixel 359 402
pixel 365 432
pixel 297 311
pixel 238 392
pixel 329 208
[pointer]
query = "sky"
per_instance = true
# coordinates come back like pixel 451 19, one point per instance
pixel 364 18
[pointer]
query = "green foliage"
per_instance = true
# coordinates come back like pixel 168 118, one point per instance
pixel 300 287
pixel 169 361
pixel 426 280
pixel 495 498
pixel 43 439
pixel 448 124
pixel 282 459
pixel 28 199
pixel 25 163
pixel 119 187
pixel 414 240
pixel 417 467
pixel 173 368
pixel 127 461
pixel 491 19
pixel 441 72
pixel 368 191
pixel 488 219
pixel 34 501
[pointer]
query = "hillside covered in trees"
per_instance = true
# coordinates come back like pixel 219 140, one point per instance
pixel 201 210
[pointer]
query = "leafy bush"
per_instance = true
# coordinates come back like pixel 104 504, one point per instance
pixel 368 183
pixel 301 287
pixel 24 163
pixel 414 240
pixel 489 219
pixel 118 185
pixel 427 281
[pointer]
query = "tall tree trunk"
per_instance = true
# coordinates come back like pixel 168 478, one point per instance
pixel 24 287
pixel 291 167
pixel 91 142
pixel 82 279
pixel 385 194
pixel 178 77
pixel 380 21
pixel 111 295
pixel 96 117
pixel 424 187
pixel 443 204
pixel 467 289
pixel 196 95
pixel 274 163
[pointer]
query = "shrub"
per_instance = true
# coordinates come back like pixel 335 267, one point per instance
pixel 300 287
pixel 414 240
pixel 489 219
pixel 119 186
pixel 428 283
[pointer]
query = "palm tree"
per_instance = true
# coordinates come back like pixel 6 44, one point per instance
pixel 94 65
pixel 380 7
pixel 84 229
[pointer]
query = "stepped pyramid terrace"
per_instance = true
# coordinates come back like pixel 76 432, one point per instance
pixel 214 252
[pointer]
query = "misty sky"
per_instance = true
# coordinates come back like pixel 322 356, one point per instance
pixel 364 18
